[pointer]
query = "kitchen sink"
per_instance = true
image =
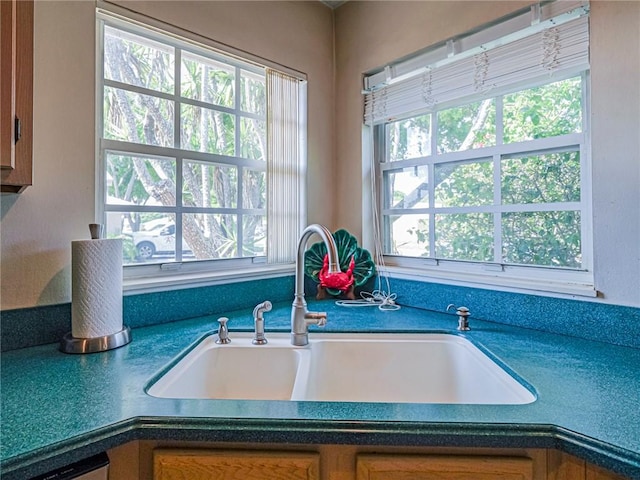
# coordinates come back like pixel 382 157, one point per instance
pixel 394 368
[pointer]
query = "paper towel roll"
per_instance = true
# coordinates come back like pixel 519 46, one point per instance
pixel 96 287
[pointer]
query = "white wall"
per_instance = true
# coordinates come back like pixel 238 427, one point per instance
pixel 615 121
pixel 371 34
pixel 39 225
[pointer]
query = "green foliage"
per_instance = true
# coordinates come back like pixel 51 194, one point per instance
pixel 254 94
pixel 149 64
pixel 545 111
pixel 252 131
pixel 464 184
pixel 217 185
pixel 421 234
pixel 465 236
pixel 227 243
pixel 208 127
pixel 542 238
pixel 553 177
pixel 528 238
pixel 467 126
pixel 208 81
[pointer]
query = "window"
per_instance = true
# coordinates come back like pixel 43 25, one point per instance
pixel 482 160
pixel 191 140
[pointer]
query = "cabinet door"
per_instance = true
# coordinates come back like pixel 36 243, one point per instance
pixel 16 94
pixel 443 467
pixel 562 466
pixel 597 473
pixel 234 465
pixel 7 81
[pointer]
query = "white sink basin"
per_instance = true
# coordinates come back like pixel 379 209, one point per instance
pixel 239 370
pixel 396 368
pixel 432 368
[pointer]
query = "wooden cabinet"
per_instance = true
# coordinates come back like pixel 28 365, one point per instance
pixel 562 466
pixel 597 473
pixel 16 94
pixel 443 467
pixel 234 465
pixel 337 462
pixel 146 460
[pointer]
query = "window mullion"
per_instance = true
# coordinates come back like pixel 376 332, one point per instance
pixel 238 95
pixel 138 89
pixel 497 182
pixel 380 141
pixel 432 186
pixel 432 215
pixel 177 120
pixel 239 212
pixel 586 227
pixel 497 201
pixel 179 208
pixel 177 110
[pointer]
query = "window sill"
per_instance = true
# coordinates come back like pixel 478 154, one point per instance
pixel 493 281
pixel 184 280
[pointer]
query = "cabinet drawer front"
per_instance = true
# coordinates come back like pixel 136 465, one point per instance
pixel 443 467
pixel 234 465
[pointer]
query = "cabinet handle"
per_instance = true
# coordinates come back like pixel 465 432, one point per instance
pixel 18 129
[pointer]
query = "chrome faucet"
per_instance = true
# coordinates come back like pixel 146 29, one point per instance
pixel 301 318
pixel 259 338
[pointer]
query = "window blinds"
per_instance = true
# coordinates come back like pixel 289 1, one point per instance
pixel 286 164
pixel 554 49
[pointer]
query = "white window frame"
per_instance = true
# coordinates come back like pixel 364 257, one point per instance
pixel 517 278
pixel 141 278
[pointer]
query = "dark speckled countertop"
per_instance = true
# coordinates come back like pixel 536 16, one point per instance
pixel 58 408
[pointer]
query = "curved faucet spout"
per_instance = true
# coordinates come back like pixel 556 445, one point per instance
pixel 332 251
pixel 300 317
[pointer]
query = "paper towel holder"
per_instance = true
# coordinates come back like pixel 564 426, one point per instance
pixel 70 344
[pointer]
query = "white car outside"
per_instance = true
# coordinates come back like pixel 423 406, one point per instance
pixel 159 240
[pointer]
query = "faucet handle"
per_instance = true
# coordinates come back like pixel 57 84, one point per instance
pixel 316 318
pixel 223 331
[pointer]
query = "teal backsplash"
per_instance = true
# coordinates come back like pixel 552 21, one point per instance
pixel 614 324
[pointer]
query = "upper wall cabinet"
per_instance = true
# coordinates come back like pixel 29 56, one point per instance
pixel 16 94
